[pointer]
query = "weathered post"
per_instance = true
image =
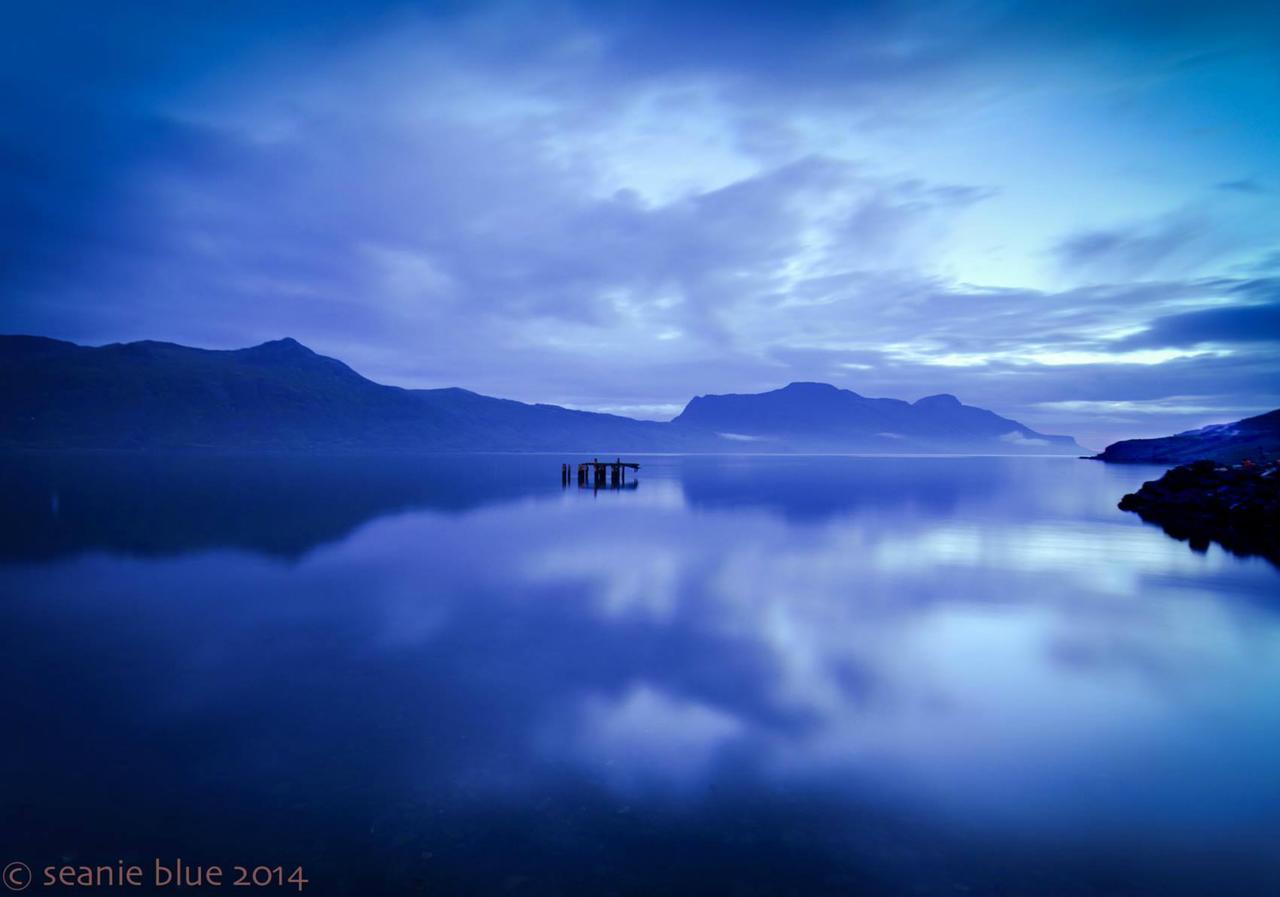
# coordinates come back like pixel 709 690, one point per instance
pixel 599 474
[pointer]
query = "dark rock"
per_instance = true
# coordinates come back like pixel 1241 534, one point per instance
pixel 1204 501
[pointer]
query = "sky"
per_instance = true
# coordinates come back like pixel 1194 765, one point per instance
pixel 1064 212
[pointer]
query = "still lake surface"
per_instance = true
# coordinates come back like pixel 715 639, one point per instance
pixel 748 676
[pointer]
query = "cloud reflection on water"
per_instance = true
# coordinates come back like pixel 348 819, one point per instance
pixel 984 640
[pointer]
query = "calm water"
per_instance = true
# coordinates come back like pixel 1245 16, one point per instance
pixel 807 676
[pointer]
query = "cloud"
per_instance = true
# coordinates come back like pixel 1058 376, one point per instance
pixel 1136 250
pixel 1231 324
pixel 481 241
pixel 646 736
pixel 1016 438
pixel 1242 185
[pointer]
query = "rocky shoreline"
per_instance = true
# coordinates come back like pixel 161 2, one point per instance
pixel 1236 506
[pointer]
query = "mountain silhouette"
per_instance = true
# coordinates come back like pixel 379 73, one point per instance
pixel 276 396
pixel 821 417
pixel 282 396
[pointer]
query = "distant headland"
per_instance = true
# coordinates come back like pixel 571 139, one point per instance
pixel 1255 439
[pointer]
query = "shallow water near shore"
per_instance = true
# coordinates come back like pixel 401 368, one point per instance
pixel 747 675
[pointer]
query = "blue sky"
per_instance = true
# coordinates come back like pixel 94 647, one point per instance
pixel 1064 212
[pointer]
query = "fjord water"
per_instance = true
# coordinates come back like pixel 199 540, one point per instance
pixel 748 675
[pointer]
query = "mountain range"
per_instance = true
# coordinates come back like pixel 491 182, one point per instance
pixel 280 395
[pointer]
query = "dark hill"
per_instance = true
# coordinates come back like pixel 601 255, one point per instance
pixel 821 417
pixel 1257 438
pixel 279 395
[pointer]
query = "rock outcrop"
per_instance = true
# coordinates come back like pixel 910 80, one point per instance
pixel 1238 507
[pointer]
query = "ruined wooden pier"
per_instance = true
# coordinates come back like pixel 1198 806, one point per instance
pixel 599 474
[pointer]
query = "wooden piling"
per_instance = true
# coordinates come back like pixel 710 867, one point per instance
pixel 600 474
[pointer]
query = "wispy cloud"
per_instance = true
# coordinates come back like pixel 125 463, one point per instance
pixel 1242 185
pixel 1136 250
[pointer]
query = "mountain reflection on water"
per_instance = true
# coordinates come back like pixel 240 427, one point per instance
pixel 746 676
